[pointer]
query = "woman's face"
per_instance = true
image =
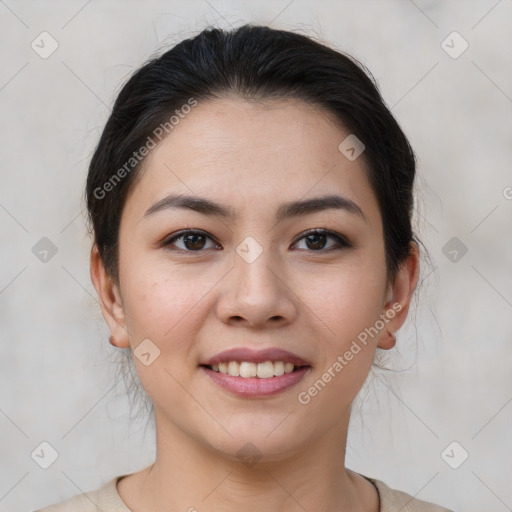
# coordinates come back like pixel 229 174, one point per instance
pixel 253 279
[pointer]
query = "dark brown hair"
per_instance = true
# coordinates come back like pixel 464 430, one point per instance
pixel 253 62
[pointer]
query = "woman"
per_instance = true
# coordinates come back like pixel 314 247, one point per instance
pixel 251 200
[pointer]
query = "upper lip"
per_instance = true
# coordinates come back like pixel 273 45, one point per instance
pixel 256 356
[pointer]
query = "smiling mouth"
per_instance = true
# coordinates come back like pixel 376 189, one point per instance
pixel 247 369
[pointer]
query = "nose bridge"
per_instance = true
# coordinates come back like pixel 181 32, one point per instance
pixel 255 269
pixel 255 291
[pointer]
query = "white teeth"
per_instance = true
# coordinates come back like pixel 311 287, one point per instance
pixel 288 367
pixel 246 369
pixel 278 368
pixel 234 368
pixel 265 370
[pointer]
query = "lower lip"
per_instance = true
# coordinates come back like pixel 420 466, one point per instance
pixel 254 387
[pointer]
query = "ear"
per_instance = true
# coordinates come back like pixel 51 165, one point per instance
pixel 110 300
pixel 399 297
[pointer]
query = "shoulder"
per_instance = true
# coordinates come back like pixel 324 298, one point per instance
pixel 392 500
pixel 106 499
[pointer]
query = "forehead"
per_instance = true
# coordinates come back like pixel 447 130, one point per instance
pixel 235 130
pixel 253 152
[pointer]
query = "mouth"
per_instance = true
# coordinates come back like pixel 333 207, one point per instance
pixel 254 374
pixel 248 369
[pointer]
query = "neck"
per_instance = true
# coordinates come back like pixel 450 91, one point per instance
pixel 193 477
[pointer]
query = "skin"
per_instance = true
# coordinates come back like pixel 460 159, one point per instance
pixel 299 296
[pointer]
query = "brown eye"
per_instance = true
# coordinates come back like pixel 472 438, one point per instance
pixel 192 240
pixel 316 239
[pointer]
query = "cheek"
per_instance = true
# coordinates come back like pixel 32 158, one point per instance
pixel 154 298
pixel 349 304
pixel 167 305
pixel 158 306
pixel 164 310
pixel 350 298
pixel 359 304
pixel 350 308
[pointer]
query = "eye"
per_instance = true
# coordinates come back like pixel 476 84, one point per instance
pixel 316 238
pixel 193 240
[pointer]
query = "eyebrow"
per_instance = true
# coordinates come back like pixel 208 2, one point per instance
pixel 285 211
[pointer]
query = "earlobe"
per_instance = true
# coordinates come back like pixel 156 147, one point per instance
pixel 387 339
pixel 110 301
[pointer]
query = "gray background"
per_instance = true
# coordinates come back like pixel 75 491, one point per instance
pixel 59 378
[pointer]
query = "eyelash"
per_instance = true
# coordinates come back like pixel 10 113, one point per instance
pixel 342 241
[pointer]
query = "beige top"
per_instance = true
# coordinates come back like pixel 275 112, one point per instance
pixel 107 499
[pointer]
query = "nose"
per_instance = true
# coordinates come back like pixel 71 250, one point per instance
pixel 256 295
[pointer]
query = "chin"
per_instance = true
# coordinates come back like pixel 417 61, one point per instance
pixel 266 440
